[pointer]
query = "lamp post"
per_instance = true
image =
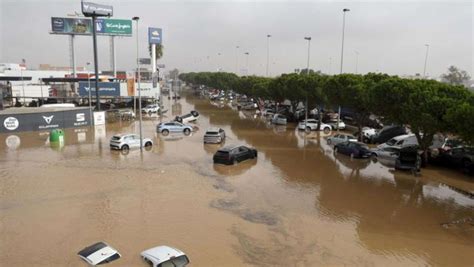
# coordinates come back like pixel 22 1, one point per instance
pixel 342 58
pixel 357 60
pixel 89 91
pixel 268 51
pixel 309 46
pixel 237 60
pixel 136 19
pixel 247 63
pixel 307 73
pixel 426 60
pixel 218 62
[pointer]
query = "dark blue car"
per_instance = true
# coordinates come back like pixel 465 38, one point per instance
pixel 353 149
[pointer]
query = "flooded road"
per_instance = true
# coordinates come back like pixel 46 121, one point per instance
pixel 298 204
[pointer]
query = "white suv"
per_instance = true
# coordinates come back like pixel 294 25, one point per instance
pixel 127 141
pixel 312 125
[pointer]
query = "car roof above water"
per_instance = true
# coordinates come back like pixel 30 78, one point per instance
pixel 162 253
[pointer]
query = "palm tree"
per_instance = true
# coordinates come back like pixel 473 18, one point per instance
pixel 158 50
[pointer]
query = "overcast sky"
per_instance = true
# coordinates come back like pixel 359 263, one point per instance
pixel 390 36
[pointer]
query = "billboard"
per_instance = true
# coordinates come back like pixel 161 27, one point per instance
pixel 91 9
pixel 71 25
pixel 154 36
pixel 105 89
pixel 83 26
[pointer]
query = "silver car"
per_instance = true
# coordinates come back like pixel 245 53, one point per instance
pixel 127 141
pixel 174 127
pixel 341 138
pixel 389 153
pixel 214 136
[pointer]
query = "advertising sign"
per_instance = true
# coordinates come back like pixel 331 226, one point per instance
pixel 45 121
pixel 144 61
pixel 154 36
pixel 114 26
pixel 105 89
pixel 71 25
pixel 91 9
pixel 83 26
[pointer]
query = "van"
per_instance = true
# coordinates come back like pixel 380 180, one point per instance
pixel 400 141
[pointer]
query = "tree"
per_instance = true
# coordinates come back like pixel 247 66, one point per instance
pixel 456 76
pixel 158 51
pixel 461 119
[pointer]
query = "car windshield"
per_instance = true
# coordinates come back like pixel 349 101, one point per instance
pixel 180 261
pixel 211 133
pixel 391 142
pixel 116 138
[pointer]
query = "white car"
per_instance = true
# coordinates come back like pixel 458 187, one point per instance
pixel 279 119
pixel 99 253
pixel 214 136
pixel 127 141
pixel 151 109
pixel 400 141
pixel 333 124
pixel 312 125
pixel 341 138
pixel 164 256
pixel 190 117
pixel 388 153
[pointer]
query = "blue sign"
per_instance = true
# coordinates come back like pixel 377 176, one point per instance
pixel 154 36
pixel 105 88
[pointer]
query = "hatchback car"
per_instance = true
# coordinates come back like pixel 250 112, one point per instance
pixel 341 138
pixel 388 152
pixel 127 141
pixel 214 136
pixel 174 127
pixel 234 154
pixel 279 119
pixel 353 149
pixel 164 256
pixel 99 253
pixel 151 109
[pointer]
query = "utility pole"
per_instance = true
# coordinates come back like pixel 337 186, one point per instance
pixel 136 19
pixel 342 59
pixel 268 51
pixel 426 60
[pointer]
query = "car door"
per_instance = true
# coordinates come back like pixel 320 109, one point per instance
pixel 244 152
pixel 175 127
pixel 336 139
pixel 344 148
pixel 136 140
pixel 457 155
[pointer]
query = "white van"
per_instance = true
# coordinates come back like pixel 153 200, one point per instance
pixel 400 141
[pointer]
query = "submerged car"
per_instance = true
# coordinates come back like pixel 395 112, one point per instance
pixel 234 154
pixel 353 149
pixel 126 114
pixel 388 152
pixel 151 109
pixel 190 117
pixel 99 253
pixel 312 125
pixel 334 124
pixel 127 141
pixel 279 119
pixel 174 127
pixel 341 138
pixel 409 158
pixel 164 256
pixel 214 136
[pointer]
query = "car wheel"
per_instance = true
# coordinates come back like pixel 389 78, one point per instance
pixel 326 130
pixel 466 164
pixel 329 141
pixel 149 112
pixel 365 140
pixel 148 144
pixel 373 156
pixel 187 131
pixel 255 153
pixel 165 132
pixel 125 148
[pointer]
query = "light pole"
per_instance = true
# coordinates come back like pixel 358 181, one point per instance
pixel 237 60
pixel 357 60
pixel 89 91
pixel 426 60
pixel 136 19
pixel 218 62
pixel 307 73
pixel 342 59
pixel 343 28
pixel 247 63
pixel 330 65
pixel 268 51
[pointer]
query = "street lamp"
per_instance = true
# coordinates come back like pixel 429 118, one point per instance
pixel 268 51
pixel 426 60
pixel 357 60
pixel 343 28
pixel 136 19
pixel 342 58
pixel 309 45
pixel 237 60
pixel 247 63
pixel 218 62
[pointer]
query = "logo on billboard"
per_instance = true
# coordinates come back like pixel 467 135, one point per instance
pixel 80 117
pixel 48 119
pixel 11 123
pixel 154 35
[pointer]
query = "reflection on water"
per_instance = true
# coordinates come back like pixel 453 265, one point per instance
pixel 297 204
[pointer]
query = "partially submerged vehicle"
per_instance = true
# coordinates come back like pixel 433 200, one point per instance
pixel 173 127
pixel 312 125
pixel 99 253
pixel 214 136
pixel 127 141
pixel 190 117
pixel 409 158
pixel 164 256
pixel 279 119
pixel 234 154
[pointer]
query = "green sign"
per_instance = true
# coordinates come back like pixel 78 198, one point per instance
pixel 114 26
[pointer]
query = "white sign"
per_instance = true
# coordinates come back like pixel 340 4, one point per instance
pixel 11 123
pixel 80 117
pixel 99 118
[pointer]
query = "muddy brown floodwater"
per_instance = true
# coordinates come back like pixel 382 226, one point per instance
pixel 298 204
